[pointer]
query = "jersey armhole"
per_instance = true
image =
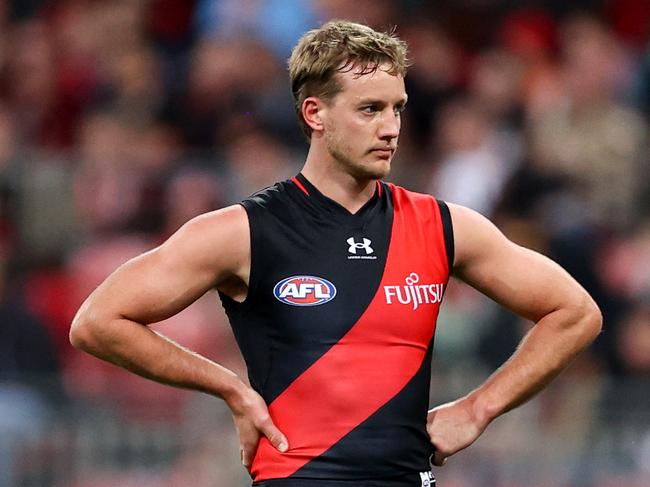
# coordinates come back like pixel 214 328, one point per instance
pixel 448 231
pixel 253 279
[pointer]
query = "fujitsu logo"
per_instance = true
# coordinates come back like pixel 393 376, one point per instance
pixel 414 293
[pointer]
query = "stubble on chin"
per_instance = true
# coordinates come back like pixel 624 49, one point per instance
pixel 377 170
pixel 361 169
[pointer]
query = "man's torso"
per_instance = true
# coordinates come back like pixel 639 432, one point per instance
pixel 337 329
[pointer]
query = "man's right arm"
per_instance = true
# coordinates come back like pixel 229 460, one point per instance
pixel 210 251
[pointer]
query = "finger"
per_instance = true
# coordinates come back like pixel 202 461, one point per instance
pixel 248 438
pixel 246 457
pixel 275 436
pixel 439 459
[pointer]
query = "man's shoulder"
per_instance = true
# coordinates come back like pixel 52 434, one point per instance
pixel 266 197
pixel 403 195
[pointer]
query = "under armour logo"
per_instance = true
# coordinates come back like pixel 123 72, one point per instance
pixel 358 245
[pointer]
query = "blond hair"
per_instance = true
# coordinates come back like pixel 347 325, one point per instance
pixel 340 46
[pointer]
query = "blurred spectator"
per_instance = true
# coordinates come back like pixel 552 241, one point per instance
pixel 29 376
pixel 496 86
pixel 106 183
pixel 624 264
pixel 431 82
pixel 190 193
pixel 634 348
pixel 277 23
pixel 135 92
pixel 221 85
pixel 473 167
pixel 589 137
pixel 257 161
pixel 629 396
pixel 157 153
pixel 27 84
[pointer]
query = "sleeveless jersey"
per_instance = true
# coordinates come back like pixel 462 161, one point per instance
pixel 337 329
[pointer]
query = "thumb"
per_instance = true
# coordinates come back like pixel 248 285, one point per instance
pixel 274 435
pixel 439 459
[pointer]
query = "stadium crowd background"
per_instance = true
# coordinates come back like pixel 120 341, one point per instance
pixel 121 119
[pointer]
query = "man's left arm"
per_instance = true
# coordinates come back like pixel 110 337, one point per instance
pixel 534 287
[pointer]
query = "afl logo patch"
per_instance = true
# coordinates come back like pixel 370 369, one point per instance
pixel 304 291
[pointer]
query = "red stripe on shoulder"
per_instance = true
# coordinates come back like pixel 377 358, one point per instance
pixel 300 185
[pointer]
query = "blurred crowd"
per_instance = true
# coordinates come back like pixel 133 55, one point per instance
pixel 122 119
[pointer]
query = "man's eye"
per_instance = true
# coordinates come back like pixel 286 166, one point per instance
pixel 369 109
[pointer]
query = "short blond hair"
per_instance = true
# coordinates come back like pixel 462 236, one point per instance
pixel 339 46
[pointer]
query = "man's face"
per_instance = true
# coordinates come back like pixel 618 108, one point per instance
pixel 362 122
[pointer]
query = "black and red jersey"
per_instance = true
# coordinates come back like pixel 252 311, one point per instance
pixel 337 329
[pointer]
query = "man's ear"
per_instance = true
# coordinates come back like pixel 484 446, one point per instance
pixel 312 113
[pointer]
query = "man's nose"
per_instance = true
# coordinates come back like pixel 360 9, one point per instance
pixel 390 126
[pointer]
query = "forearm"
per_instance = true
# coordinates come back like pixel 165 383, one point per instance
pixel 543 353
pixel 145 352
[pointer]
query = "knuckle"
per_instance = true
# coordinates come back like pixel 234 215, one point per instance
pixel 264 421
pixel 265 418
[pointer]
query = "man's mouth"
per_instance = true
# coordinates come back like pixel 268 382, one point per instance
pixel 383 151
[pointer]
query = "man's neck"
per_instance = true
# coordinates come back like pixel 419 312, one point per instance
pixel 338 185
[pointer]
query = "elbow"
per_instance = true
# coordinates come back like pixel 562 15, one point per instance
pixel 80 336
pixel 82 330
pixel 592 320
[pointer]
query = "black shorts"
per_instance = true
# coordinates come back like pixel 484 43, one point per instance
pixel 424 479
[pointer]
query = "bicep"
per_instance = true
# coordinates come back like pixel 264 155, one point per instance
pixel 160 283
pixel 520 279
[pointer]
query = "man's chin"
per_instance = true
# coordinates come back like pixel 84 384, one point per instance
pixel 371 168
pixel 377 170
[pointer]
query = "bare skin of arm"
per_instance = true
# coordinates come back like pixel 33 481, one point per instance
pixel 211 251
pixel 531 285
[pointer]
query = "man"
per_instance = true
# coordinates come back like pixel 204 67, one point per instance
pixel 332 282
